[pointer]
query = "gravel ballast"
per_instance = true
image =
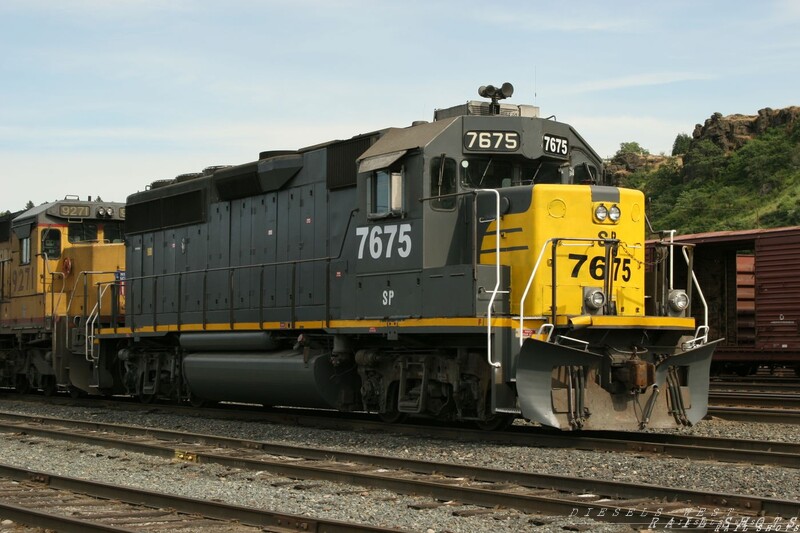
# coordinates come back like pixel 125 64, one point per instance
pixel 345 502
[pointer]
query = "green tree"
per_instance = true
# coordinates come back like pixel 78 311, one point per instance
pixel 704 161
pixel 681 144
pixel 29 205
pixel 632 147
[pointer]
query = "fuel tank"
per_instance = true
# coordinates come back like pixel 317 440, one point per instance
pixel 286 377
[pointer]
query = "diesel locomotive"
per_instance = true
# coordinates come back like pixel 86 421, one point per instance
pixel 53 259
pixel 478 267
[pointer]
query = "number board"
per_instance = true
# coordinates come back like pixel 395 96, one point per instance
pixel 72 210
pixel 555 145
pixel 494 141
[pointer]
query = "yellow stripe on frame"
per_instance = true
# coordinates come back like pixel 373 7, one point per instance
pixel 590 321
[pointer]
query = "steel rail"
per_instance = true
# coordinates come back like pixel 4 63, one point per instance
pixel 756 414
pixel 756 386
pixel 249 518
pixel 471 485
pixel 774 453
pixel 755 399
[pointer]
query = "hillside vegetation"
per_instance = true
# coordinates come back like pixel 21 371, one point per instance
pixel 735 172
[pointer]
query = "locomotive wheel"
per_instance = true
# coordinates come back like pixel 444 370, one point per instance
pixel 49 385
pixel 22 385
pixel 197 401
pixel 392 414
pixel 496 422
pixel 146 398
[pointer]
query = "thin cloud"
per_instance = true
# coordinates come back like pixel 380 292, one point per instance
pixel 634 80
pixel 96 7
pixel 606 132
pixel 560 23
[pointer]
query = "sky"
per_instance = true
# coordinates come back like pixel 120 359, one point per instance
pixel 103 97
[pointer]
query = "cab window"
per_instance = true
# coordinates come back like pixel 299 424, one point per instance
pixel 51 243
pixel 25 251
pixel 443 182
pixel 385 193
pixel 494 173
pixel 585 173
pixel 83 232
pixel 113 232
pixel 486 173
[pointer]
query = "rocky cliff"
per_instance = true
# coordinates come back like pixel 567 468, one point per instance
pixel 732 131
pixel 728 132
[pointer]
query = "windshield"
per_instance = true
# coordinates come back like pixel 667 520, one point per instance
pixel 496 172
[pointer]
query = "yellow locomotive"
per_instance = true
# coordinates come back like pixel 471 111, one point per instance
pixel 601 327
pixel 56 262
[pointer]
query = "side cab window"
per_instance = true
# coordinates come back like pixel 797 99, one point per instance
pixel 25 251
pixel 443 183
pixel 23 232
pixel 51 243
pixel 385 193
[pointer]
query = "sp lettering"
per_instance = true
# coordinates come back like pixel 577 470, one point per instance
pixel 388 296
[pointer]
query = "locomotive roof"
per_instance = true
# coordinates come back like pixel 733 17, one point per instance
pixel 33 212
pixel 49 209
pixel 396 139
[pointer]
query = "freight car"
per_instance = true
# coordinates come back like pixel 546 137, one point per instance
pixel 52 258
pixel 752 285
pixel 477 267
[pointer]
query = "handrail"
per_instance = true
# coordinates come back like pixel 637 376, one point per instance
pixel 704 327
pixel 528 287
pixel 549 242
pixel 131 282
pixel 53 302
pixel 496 289
pixel 91 319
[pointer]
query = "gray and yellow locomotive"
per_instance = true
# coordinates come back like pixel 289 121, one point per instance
pixel 476 267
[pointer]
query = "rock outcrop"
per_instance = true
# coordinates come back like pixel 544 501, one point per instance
pixel 733 131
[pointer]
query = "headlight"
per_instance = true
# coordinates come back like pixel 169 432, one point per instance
pixel 678 300
pixel 109 211
pixel 101 212
pixel 614 213
pixel 594 299
pixel 601 213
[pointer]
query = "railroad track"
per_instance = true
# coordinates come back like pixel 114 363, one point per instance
pixel 664 444
pixel 755 399
pixel 755 414
pixel 66 504
pixel 632 503
pixel 776 385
